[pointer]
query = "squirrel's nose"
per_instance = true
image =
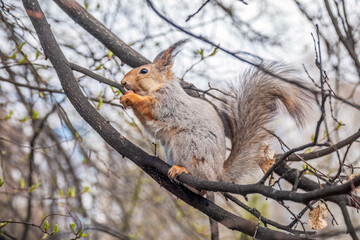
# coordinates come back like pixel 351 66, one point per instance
pixel 123 83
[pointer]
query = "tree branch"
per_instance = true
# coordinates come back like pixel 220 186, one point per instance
pixel 97 77
pixel 31 87
pixel 323 152
pixel 270 192
pixel 349 225
pixel 343 39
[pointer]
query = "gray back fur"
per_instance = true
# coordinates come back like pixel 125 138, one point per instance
pixel 189 128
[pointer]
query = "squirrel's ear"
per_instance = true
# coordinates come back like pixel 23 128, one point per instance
pixel 165 59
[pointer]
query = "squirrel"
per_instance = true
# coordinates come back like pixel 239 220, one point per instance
pixel 192 131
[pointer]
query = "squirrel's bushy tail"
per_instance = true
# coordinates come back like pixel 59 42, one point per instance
pixel 250 113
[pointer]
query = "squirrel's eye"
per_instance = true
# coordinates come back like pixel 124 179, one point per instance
pixel 143 71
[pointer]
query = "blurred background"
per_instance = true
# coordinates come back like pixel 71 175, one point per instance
pixel 53 165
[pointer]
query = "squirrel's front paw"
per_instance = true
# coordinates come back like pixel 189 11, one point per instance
pixel 125 100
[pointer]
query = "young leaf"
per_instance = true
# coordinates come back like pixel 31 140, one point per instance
pixel 3 224
pixel 86 189
pixel 45 236
pixel 22 183
pixel 71 192
pixel 214 52
pixel 86 5
pixel 24 119
pixel 72 227
pixel 20 46
pixel 312 137
pixel 77 135
pixel 201 52
pixel 22 60
pixel 13 56
pixel 100 103
pixel 82 234
pixel 110 54
pixel 339 125
pixel 61 193
pixel 9 115
pixel 98 67
pixel 33 187
pixel 55 229
pixel 46 225
pixel 35 115
pixel 37 54
pixel 1 182
pixel 311 169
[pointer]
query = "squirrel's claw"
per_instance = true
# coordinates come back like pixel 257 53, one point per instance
pixel 175 171
pixel 125 100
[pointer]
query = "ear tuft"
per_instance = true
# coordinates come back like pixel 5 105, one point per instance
pixel 165 59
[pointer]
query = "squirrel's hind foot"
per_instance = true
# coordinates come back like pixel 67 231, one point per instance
pixel 175 171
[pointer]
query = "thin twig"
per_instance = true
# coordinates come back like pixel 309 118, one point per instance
pixel 192 15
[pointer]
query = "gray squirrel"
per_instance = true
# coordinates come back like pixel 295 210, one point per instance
pixel 190 129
